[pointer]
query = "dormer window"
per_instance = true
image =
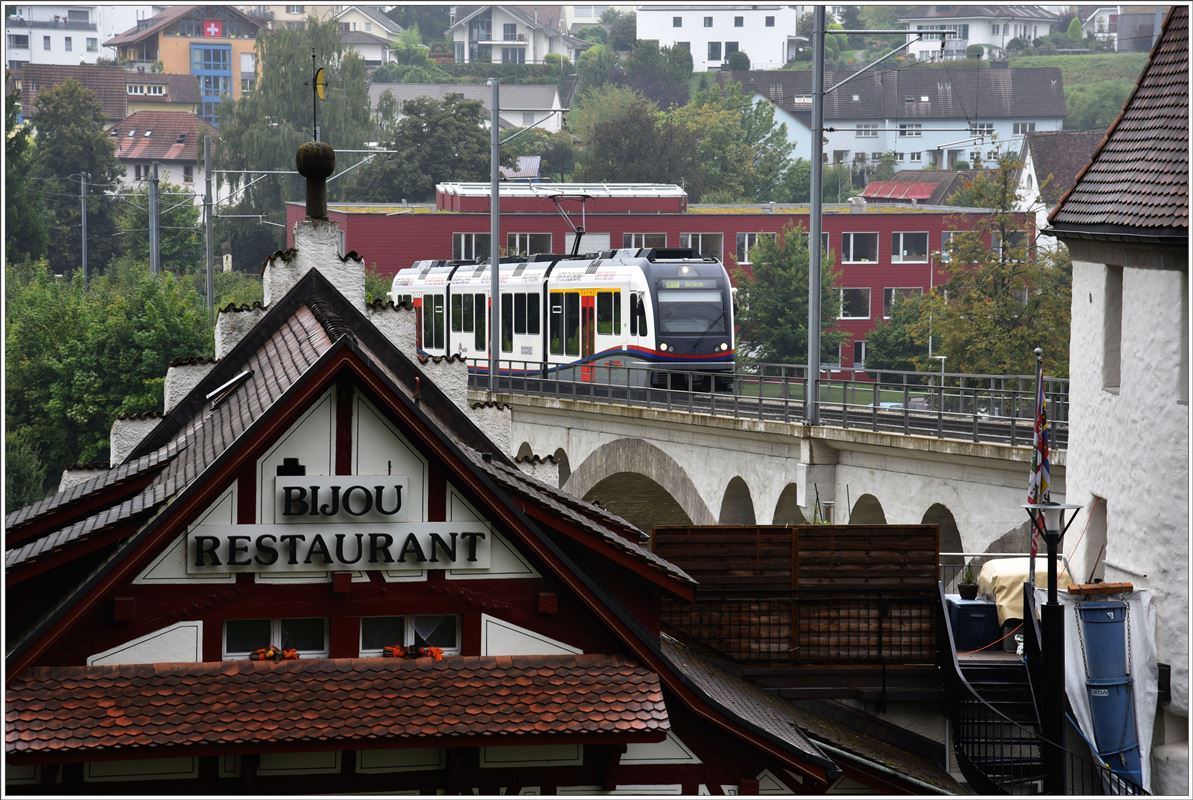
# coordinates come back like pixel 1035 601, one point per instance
pixel 131 133
pixel 181 139
pixel 148 133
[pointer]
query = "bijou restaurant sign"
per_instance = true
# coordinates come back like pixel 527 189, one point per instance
pixel 338 522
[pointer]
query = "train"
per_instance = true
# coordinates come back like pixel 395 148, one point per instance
pixel 664 313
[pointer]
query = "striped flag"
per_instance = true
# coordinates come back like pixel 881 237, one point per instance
pixel 1037 482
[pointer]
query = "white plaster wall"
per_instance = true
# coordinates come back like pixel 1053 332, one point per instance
pixel 1131 448
pixel 181 380
pixel 545 471
pixel 180 642
pixel 231 326
pixel 496 422
pixel 397 324
pixel 317 243
pixel 766 47
pixel 451 376
pixel 127 434
pixel 73 477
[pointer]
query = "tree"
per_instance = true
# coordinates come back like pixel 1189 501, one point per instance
pixel 623 31
pixel 180 242
pixel 638 143
pixel 596 67
pixel 25 235
pixel 71 140
pixel 430 21
pixel 24 472
pixel 593 33
pixel 436 140
pixel 1001 298
pixel 773 300
pixel 263 130
pixel 795 186
pixel 1074 30
pixel 739 61
pixel 884 170
pixel 604 102
pixel 1096 104
pixel 76 357
pixel 660 74
pixel 892 345
pixel 557 151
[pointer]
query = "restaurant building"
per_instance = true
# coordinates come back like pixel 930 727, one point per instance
pixel 880 251
pixel 318 571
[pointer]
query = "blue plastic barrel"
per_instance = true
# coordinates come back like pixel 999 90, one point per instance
pixel 1103 626
pixel 1112 706
pixel 1126 764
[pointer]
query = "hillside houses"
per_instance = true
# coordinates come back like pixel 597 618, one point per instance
pixel 511 34
pixel 991 27
pixel 516 100
pixel 1050 162
pixel 118 91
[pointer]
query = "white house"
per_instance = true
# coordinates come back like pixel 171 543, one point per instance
pixel 511 34
pixel 713 33
pixel 926 118
pixel 591 14
pixel 1101 22
pixel 171 139
pixel 1126 224
pixel 1050 163
pixel 989 26
pixel 367 19
pixel 284 16
pixel 531 103
pixel 67 35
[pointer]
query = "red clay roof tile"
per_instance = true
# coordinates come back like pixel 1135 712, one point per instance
pixel 82 710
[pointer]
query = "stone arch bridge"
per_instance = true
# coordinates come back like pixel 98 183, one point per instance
pixel 661 467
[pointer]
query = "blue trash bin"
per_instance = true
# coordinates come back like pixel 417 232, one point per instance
pixel 1103 626
pixel 1112 706
pixel 1126 764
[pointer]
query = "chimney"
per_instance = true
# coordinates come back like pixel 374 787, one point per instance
pixel 857 205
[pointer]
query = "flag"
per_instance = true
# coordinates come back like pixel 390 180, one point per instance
pixel 1037 482
pixel 213 27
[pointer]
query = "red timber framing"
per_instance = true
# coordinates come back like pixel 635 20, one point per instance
pixel 594 608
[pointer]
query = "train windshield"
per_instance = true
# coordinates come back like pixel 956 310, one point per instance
pixel 691 311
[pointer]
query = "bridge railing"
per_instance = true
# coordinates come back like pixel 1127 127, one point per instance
pixel 980 408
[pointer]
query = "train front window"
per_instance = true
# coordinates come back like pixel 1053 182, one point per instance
pixel 691 311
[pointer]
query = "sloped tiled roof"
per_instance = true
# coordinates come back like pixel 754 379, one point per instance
pixel 528 95
pixel 160 136
pixel 528 168
pixel 362 37
pixel 965 93
pixel 932 187
pixel 965 11
pixel 1138 181
pixel 1058 156
pixel 158 22
pixel 86 710
pixel 108 83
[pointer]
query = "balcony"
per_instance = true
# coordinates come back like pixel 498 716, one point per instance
pixel 49 24
pixel 518 41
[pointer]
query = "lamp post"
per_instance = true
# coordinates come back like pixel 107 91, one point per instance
pixel 1050 519
pixel 942 360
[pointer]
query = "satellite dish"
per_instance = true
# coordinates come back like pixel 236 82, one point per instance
pixel 321 84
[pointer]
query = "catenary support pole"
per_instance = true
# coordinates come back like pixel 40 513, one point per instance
pixel 494 224
pixel 155 264
pixel 83 220
pixel 812 388
pixel 207 229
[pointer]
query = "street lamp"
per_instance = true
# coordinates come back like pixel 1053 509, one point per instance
pixel 1049 518
pixel 942 360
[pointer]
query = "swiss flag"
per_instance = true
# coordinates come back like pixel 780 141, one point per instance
pixel 213 27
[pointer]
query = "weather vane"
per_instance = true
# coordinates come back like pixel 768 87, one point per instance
pixel 318 86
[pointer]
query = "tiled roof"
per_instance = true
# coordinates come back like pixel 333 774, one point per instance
pixel 86 710
pixel 110 85
pixel 527 167
pixel 170 15
pixel 179 88
pixel 376 14
pixel 160 136
pixel 1022 12
pixel 898 190
pixel 772 715
pixel 934 187
pixel 362 37
pixel 1058 156
pixel 1138 181
pixel 514 95
pixel 897 95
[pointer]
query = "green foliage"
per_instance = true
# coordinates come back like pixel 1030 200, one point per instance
pixel 623 31
pixel 596 67
pixel 891 344
pixel 556 149
pixel 436 140
pixel 974 51
pixel 1096 85
pixel 75 358
pixel 636 143
pixel 263 130
pixel 430 21
pixel 884 170
pixel 660 74
pixel 180 229
pixel 998 303
pixel 605 102
pixel 1095 105
pixel 773 300
pixel 24 472
pixel 428 72
pixel 71 140
pixel 480 71
pixel 739 61
pixel 961 164
pixel 1074 31
pixel 795 186
pixel 25 236
pixel 376 285
pixel 236 288
pixel 593 33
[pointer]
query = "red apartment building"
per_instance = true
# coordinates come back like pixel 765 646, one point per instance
pixel 880 251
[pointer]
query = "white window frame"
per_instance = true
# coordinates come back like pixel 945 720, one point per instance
pixel 856 363
pixel 945 238
pixel 888 301
pixel 915 157
pixel 68 43
pixel 638 239
pixel 750 241
pixel 685 240
pixel 407 633
pixel 521 242
pixel 867 130
pixel 996 240
pixel 908 130
pixel 847 250
pixel 469 252
pixel 1023 128
pixel 981 129
pixel 897 252
pixel 275 638
pixel 841 309
pixel 92 44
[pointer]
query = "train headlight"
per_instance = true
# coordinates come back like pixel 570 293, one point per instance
pixel 724 345
pixel 664 347
pixel 685 269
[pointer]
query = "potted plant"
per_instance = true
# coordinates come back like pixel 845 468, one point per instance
pixel 967 587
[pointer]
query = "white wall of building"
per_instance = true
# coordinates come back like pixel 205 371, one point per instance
pixel 992 34
pixel 1128 461
pixel 699 26
pixel 167 172
pixel 532 43
pixel 66 35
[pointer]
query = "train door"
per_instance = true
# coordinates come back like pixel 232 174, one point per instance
pixel 587 332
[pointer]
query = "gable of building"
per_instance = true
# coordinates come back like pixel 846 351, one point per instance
pixel 174 19
pixel 160 136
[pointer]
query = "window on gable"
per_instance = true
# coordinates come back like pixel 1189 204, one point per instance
pixel 421 630
pixel 739 22
pixel 307 635
pixel 677 22
pixel 708 22
pixel 770 22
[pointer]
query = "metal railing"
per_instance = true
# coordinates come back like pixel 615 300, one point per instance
pixel 49 24
pixel 953 564
pixel 999 754
pixel 979 408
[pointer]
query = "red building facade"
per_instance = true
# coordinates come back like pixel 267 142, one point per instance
pixel 879 252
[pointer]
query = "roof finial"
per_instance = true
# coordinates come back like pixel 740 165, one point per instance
pixel 316 161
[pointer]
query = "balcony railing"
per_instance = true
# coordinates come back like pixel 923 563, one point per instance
pixel 49 24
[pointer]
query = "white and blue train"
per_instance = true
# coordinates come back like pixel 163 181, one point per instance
pixel 665 312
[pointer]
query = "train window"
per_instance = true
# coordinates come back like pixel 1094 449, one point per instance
pixel 520 313
pixel 532 314
pixel 428 323
pixel 633 313
pixel 478 336
pixel 642 318
pixel 468 323
pixel 507 323
pixel 571 324
pixel 457 314
pixel 691 311
pixel 439 321
pixel 608 310
pixel 556 323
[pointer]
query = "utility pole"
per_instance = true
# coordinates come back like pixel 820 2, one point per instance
pixel 494 224
pixel 812 387
pixel 83 213
pixel 207 223
pixel 155 264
